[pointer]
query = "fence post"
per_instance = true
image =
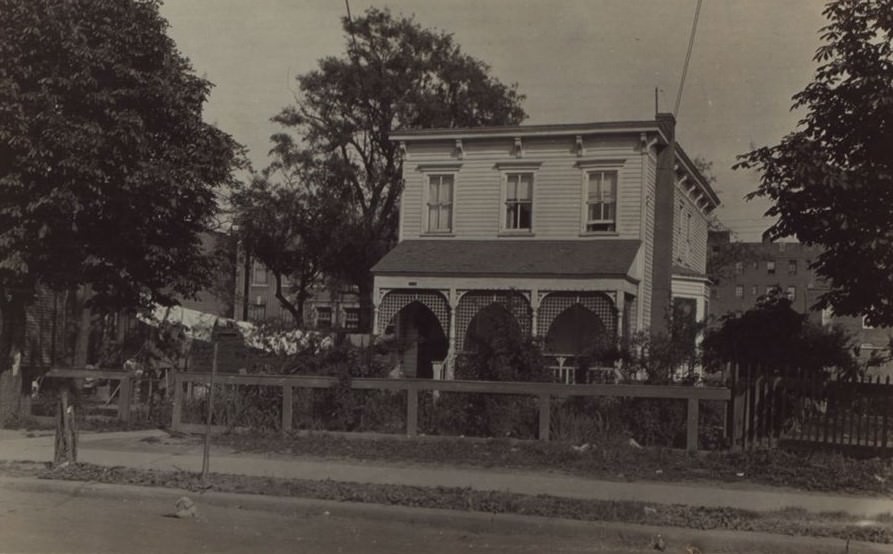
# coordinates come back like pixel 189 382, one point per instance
pixel 288 402
pixel 691 434
pixel 412 411
pixel 177 410
pixel 736 409
pixel 124 389
pixel 545 408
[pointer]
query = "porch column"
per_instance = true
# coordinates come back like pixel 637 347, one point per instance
pixel 619 302
pixel 535 310
pixel 449 370
pixel 376 302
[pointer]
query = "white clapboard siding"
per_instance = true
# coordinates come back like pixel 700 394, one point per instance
pixel 558 181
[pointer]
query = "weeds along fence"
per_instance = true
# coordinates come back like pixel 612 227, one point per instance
pixel 126 396
pixel 798 410
pixel 415 406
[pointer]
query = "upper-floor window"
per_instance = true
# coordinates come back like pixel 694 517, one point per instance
pixel 791 293
pixel 770 267
pixel 792 267
pixel 688 227
pixel 739 268
pixel 601 201
pixel 440 203
pixel 351 318
pixel 739 291
pixel 323 317
pixel 754 290
pixel 259 274
pixel 518 201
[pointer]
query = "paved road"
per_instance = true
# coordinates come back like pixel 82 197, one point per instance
pixel 39 516
pixel 38 522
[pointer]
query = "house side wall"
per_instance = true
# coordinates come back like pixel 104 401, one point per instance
pixel 689 253
pixel 558 184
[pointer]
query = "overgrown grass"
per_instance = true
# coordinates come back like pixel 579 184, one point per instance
pixel 795 522
pixel 615 460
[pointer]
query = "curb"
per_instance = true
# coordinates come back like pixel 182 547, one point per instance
pixel 481 522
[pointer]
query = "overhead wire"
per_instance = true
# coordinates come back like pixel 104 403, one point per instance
pixel 691 44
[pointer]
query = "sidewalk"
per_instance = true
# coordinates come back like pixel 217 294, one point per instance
pixel 147 450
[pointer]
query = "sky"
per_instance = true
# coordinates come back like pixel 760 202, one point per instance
pixel 575 60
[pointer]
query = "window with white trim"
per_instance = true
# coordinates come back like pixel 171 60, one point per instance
pixel 440 203
pixel 323 317
pixel 518 201
pixel 351 318
pixel 739 291
pixel 601 201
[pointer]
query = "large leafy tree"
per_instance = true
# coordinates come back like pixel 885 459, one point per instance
pixel 832 178
pixel 107 171
pixel 395 74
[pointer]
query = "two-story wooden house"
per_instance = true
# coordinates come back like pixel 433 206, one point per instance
pixel 573 233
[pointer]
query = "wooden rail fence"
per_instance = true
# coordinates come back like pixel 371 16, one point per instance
pixel 544 392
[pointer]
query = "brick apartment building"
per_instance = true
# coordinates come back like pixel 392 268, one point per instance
pixel 784 266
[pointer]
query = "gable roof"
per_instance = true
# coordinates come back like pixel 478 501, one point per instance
pixel 569 258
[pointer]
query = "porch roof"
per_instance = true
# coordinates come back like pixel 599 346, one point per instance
pixel 571 258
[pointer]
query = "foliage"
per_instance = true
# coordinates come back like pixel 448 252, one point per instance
pixel 661 358
pixel 774 336
pixel 395 75
pixel 503 356
pixel 831 179
pixel 279 227
pixel 107 170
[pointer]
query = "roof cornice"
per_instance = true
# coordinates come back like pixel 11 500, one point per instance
pixel 567 129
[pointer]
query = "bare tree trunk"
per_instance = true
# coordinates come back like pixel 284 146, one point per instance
pixel 286 303
pixel 66 449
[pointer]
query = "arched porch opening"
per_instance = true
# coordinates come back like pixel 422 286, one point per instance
pixel 420 321
pixel 421 339
pixel 472 303
pixel 576 331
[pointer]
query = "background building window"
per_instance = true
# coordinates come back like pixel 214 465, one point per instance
pixel 739 268
pixel 351 318
pixel 792 267
pixel 518 201
pixel 601 201
pixel 323 317
pixel 770 267
pixel 259 274
pixel 739 291
pixel 791 293
pixel 754 290
pixel 440 203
